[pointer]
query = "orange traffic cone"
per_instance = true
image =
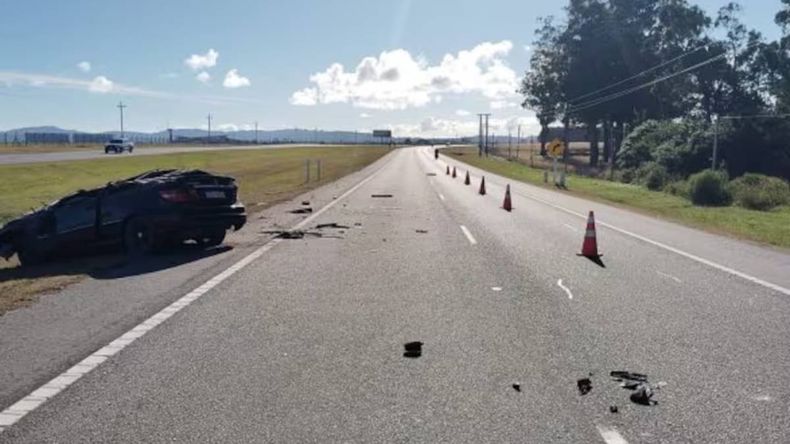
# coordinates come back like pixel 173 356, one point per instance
pixel 453 172
pixel 483 186
pixel 448 170
pixel 590 246
pixel 507 205
pixel 467 181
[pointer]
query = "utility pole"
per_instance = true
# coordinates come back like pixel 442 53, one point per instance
pixel 509 143
pixel 518 141
pixel 209 128
pixel 486 133
pixel 121 106
pixel 715 140
pixel 256 132
pixel 480 136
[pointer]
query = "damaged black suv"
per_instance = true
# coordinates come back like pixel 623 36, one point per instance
pixel 145 213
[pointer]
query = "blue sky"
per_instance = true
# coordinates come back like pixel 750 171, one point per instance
pixel 285 64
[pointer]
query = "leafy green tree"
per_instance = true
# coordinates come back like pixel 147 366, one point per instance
pixel 541 84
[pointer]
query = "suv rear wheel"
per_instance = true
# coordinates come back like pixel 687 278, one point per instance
pixel 139 237
pixel 212 238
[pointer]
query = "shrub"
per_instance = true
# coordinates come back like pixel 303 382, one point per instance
pixel 678 188
pixel 710 188
pixel 759 192
pixel 652 175
pixel 625 176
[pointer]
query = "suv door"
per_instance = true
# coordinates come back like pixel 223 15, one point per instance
pixel 75 220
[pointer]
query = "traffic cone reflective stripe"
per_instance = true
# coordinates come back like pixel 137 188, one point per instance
pixel 507 205
pixel 590 245
pixel 468 180
pixel 454 173
pixel 483 186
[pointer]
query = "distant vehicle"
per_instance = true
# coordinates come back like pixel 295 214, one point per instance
pixel 118 146
pixel 144 214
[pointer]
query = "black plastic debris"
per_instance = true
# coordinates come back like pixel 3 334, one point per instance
pixel 332 225
pixel 643 394
pixel 613 408
pixel 357 224
pixel 380 195
pixel 305 202
pixel 302 210
pixel 643 391
pixel 422 231
pixel 517 387
pixel 584 385
pixel 630 376
pixel 293 234
pixel 412 349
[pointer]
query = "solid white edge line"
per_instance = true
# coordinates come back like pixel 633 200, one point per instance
pixel 610 435
pixel 468 235
pixel 37 397
pixel 567 290
pixel 693 257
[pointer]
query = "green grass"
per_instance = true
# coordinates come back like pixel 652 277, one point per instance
pixel 771 227
pixel 264 176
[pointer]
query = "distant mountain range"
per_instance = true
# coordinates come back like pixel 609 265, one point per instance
pixel 54 134
pixel 295 135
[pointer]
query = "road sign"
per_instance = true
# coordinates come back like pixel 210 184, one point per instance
pixel 382 133
pixel 556 148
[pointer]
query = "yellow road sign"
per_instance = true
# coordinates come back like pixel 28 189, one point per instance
pixel 556 148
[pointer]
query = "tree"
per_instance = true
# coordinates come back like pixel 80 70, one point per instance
pixel 541 84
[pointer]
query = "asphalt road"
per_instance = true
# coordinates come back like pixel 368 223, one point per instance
pixel 8 159
pixel 303 340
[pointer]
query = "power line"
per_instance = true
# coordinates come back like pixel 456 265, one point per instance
pixel 600 100
pixel 640 74
pixel 756 116
pixel 617 95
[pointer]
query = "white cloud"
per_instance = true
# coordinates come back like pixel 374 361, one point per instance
pixel 84 66
pixel 462 113
pixel 436 127
pixel 527 48
pixel 198 61
pixel 396 80
pixel 169 75
pixel 364 115
pixel 503 104
pixel 234 80
pixel 101 84
pixel 227 127
pixel 203 77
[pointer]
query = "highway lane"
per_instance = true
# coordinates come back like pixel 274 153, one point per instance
pixel 305 343
pixel 10 159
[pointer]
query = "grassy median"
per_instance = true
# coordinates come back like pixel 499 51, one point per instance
pixel 265 177
pixel 771 227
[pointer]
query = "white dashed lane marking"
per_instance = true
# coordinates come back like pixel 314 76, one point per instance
pixel 611 436
pixel 669 276
pixel 468 235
